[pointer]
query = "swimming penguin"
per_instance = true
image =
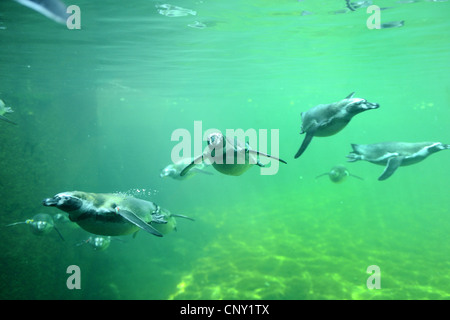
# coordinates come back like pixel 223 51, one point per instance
pixel 40 224
pixel 359 4
pixel 173 170
pixel 98 243
pixel 53 9
pixel 4 109
pixel 328 119
pixel 392 24
pixel 235 157
pixel 109 214
pixel 394 154
pixel 171 224
pixel 338 174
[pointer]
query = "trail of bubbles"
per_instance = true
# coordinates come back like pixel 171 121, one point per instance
pixel 139 192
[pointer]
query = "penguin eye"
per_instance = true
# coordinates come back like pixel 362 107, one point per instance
pixel 215 139
pixel 62 197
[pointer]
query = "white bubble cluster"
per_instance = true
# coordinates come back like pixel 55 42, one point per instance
pixel 139 192
pixel 172 11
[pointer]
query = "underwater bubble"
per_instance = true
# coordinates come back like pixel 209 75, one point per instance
pixel 197 25
pixel 171 11
pixel 139 192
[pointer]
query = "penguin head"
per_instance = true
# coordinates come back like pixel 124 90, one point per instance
pixel 215 142
pixel 357 105
pixel 438 146
pixel 215 139
pixel 167 172
pixel 338 174
pixel 40 227
pixel 65 201
pixel 99 243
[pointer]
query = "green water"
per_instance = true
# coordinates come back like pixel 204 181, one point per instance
pixel 96 108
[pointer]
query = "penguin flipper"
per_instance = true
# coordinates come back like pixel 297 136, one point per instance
pixel 182 216
pixel 204 172
pixel 7 120
pixel 323 174
pixel 59 233
pixel 305 143
pixel 351 94
pixel 53 9
pixel 134 219
pixel 15 223
pixel 191 165
pixel 258 153
pixel 392 165
pixel 354 176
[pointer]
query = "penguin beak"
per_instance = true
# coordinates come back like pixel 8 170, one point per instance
pixel 371 105
pixel 50 202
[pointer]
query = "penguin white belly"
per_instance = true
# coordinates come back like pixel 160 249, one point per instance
pixel 107 225
pixel 331 128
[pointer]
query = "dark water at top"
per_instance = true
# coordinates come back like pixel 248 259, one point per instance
pixel 96 109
